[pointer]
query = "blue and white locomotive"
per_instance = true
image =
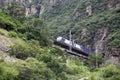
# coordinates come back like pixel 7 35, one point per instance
pixel 75 47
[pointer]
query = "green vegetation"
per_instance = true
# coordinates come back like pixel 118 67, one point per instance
pixel 7 71
pixel 110 72
pixel 73 16
pixel 32 51
pixel 37 59
pixel 114 39
pixel 95 60
pixel 36 29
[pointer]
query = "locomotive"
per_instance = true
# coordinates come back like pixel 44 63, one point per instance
pixel 67 44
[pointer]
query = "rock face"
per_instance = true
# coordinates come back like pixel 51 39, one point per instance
pixel 99 40
pixel 5 43
pixel 77 14
pixel 115 55
pixel 33 10
pixel 85 32
pixel 52 2
pixel 117 5
pixel 89 10
pixel 42 10
pixel 38 7
pixel 113 5
pixel 27 13
pixel 35 7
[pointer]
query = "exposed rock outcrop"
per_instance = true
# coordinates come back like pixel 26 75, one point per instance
pixel 89 10
pixel 33 10
pixel 99 39
pixel 27 13
pixel 77 14
pixel 113 5
pixel 5 43
pixel 42 10
pixel 52 2
pixel 85 32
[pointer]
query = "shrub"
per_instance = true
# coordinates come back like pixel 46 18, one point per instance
pixel 7 71
pixel 7 22
pixel 22 51
pixel 111 72
pixel 13 34
pixel 33 69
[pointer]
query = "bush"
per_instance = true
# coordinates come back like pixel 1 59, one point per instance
pixel 13 34
pixel 95 76
pixel 7 22
pixel 8 71
pixel 33 69
pixel 22 51
pixel 110 72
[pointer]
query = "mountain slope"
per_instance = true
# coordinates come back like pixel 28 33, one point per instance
pixel 26 51
pixel 92 22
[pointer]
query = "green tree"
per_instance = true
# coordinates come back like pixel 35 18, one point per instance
pixel 33 69
pixel 94 60
pixel 114 39
pixel 40 32
pixel 16 11
pixel 7 71
pixel 23 51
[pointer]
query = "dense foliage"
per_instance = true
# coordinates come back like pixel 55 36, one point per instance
pixel 35 29
pixel 110 72
pixel 73 15
pixel 36 59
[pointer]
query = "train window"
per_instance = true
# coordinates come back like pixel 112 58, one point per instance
pixel 79 47
pixel 72 43
pixel 63 39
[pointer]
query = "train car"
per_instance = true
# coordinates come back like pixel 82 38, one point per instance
pixel 74 47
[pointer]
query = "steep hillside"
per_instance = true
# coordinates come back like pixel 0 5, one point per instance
pixel 94 23
pixel 27 29
pixel 25 53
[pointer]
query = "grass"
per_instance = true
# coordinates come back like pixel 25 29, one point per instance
pixel 5 35
pixel 3 32
pixel 18 40
pixel 2 55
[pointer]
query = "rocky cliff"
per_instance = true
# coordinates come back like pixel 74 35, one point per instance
pixel 35 7
pixel 41 6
